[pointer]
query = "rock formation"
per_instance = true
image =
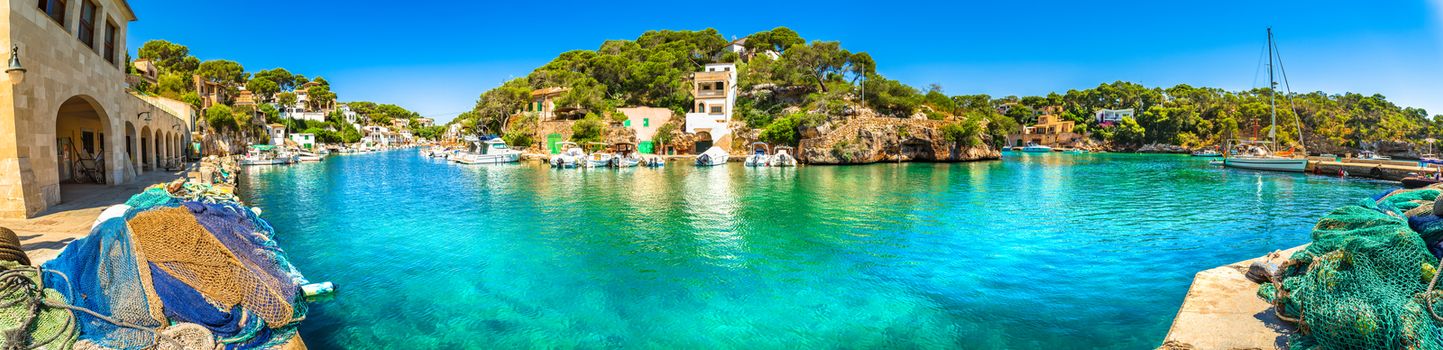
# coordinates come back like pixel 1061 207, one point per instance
pixel 865 140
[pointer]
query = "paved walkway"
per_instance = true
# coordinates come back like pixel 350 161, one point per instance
pixel 43 236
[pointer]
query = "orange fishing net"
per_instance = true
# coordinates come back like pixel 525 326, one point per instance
pixel 174 241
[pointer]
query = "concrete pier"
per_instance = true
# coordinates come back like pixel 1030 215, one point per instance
pixel 1391 170
pixel 1222 311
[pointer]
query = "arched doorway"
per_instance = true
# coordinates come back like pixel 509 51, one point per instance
pixel 80 152
pixel 132 139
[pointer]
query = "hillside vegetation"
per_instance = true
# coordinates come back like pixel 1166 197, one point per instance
pixel 812 83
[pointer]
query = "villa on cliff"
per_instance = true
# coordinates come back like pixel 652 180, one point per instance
pixel 68 115
pixel 715 92
pixel 1109 117
pixel 1050 130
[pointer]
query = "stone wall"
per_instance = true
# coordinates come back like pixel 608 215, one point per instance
pixel 865 140
pixel 63 71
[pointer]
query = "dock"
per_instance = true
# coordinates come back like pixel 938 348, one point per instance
pixel 1222 311
pixel 1391 170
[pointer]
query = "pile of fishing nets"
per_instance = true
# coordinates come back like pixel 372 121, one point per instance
pixel 1367 279
pixel 184 266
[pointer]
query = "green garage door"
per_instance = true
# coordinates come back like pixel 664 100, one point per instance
pixel 646 147
pixel 551 143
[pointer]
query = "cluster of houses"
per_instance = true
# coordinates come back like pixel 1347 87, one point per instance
pixel 1053 131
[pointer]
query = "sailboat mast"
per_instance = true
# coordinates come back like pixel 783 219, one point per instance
pixel 1272 92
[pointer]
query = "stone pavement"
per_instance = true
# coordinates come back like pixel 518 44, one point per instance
pixel 45 235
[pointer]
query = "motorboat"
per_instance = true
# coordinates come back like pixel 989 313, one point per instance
pixel 1207 153
pixel 713 156
pixel 309 157
pixel 266 155
pixel 759 156
pixel 782 157
pixel 571 156
pixel 652 161
pixel 1036 148
pixel 625 155
pixel 1370 155
pixel 493 151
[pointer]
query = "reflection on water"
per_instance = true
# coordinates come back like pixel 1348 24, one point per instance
pixel 1037 251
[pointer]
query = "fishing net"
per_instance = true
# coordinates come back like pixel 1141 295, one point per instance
pixel 25 320
pixel 1359 285
pixel 101 272
pixel 183 255
pixel 174 241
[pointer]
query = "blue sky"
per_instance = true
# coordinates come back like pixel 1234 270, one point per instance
pixel 436 59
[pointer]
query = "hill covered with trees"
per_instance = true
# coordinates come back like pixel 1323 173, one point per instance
pixel 809 85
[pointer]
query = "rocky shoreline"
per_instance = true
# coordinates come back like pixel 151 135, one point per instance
pixel 865 140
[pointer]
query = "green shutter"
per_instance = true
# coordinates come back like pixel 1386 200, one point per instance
pixel 626 123
pixel 645 122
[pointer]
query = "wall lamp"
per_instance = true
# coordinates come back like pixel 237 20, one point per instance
pixel 16 71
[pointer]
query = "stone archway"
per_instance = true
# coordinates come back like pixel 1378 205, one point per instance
pixel 703 142
pixel 132 143
pixel 81 128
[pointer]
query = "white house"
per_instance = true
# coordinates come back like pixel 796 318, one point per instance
pixel 715 92
pixel 377 135
pixel 304 140
pixel 277 133
pixel 1112 116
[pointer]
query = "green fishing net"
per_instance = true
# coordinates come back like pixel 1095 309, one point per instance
pixel 1360 284
pixel 45 327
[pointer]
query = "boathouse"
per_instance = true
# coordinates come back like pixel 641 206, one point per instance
pixel 67 115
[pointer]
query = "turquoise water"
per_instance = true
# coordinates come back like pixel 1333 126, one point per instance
pixel 1034 252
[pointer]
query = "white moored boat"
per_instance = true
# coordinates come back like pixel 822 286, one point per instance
pixel 1258 154
pixel 626 155
pixel 713 156
pixel 571 156
pixel 760 155
pixel 783 157
pixel 1036 148
pixel 493 151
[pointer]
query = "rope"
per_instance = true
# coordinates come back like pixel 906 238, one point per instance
pixel 1428 295
pixel 14 279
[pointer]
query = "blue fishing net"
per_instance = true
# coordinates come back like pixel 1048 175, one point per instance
pixel 101 273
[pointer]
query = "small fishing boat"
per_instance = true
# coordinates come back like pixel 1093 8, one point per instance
pixel 652 161
pixel 266 155
pixel 598 158
pixel 309 157
pixel 571 156
pixel 1417 181
pixel 1370 155
pixel 782 157
pixel 493 151
pixel 1207 153
pixel 713 156
pixel 760 155
pixel 625 155
pixel 1036 148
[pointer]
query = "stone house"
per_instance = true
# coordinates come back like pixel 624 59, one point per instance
pixel 1050 130
pixel 68 117
pixel 715 93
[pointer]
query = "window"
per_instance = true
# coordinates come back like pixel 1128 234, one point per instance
pixel 87 23
pixel 716 109
pixel 626 123
pixel 727 69
pixel 54 8
pixel 700 107
pixel 718 86
pixel 645 122
pixel 110 41
pixel 705 87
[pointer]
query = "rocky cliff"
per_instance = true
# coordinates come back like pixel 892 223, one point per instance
pixel 865 140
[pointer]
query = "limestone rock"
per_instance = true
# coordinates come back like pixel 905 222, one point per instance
pixel 871 140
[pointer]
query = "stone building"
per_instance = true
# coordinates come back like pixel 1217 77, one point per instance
pixel 69 117
pixel 1050 130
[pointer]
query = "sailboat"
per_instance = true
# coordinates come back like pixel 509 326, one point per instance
pixel 1260 154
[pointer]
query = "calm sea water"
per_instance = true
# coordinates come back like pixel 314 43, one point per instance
pixel 1034 252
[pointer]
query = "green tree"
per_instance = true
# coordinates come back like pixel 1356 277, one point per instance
pixel 890 97
pixel 264 88
pixel 170 57
pixel 588 129
pixel 222 71
pixel 221 117
pixel 286 99
pixel 1128 132
pixel 283 78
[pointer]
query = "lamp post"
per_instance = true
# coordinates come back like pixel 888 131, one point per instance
pixel 16 72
